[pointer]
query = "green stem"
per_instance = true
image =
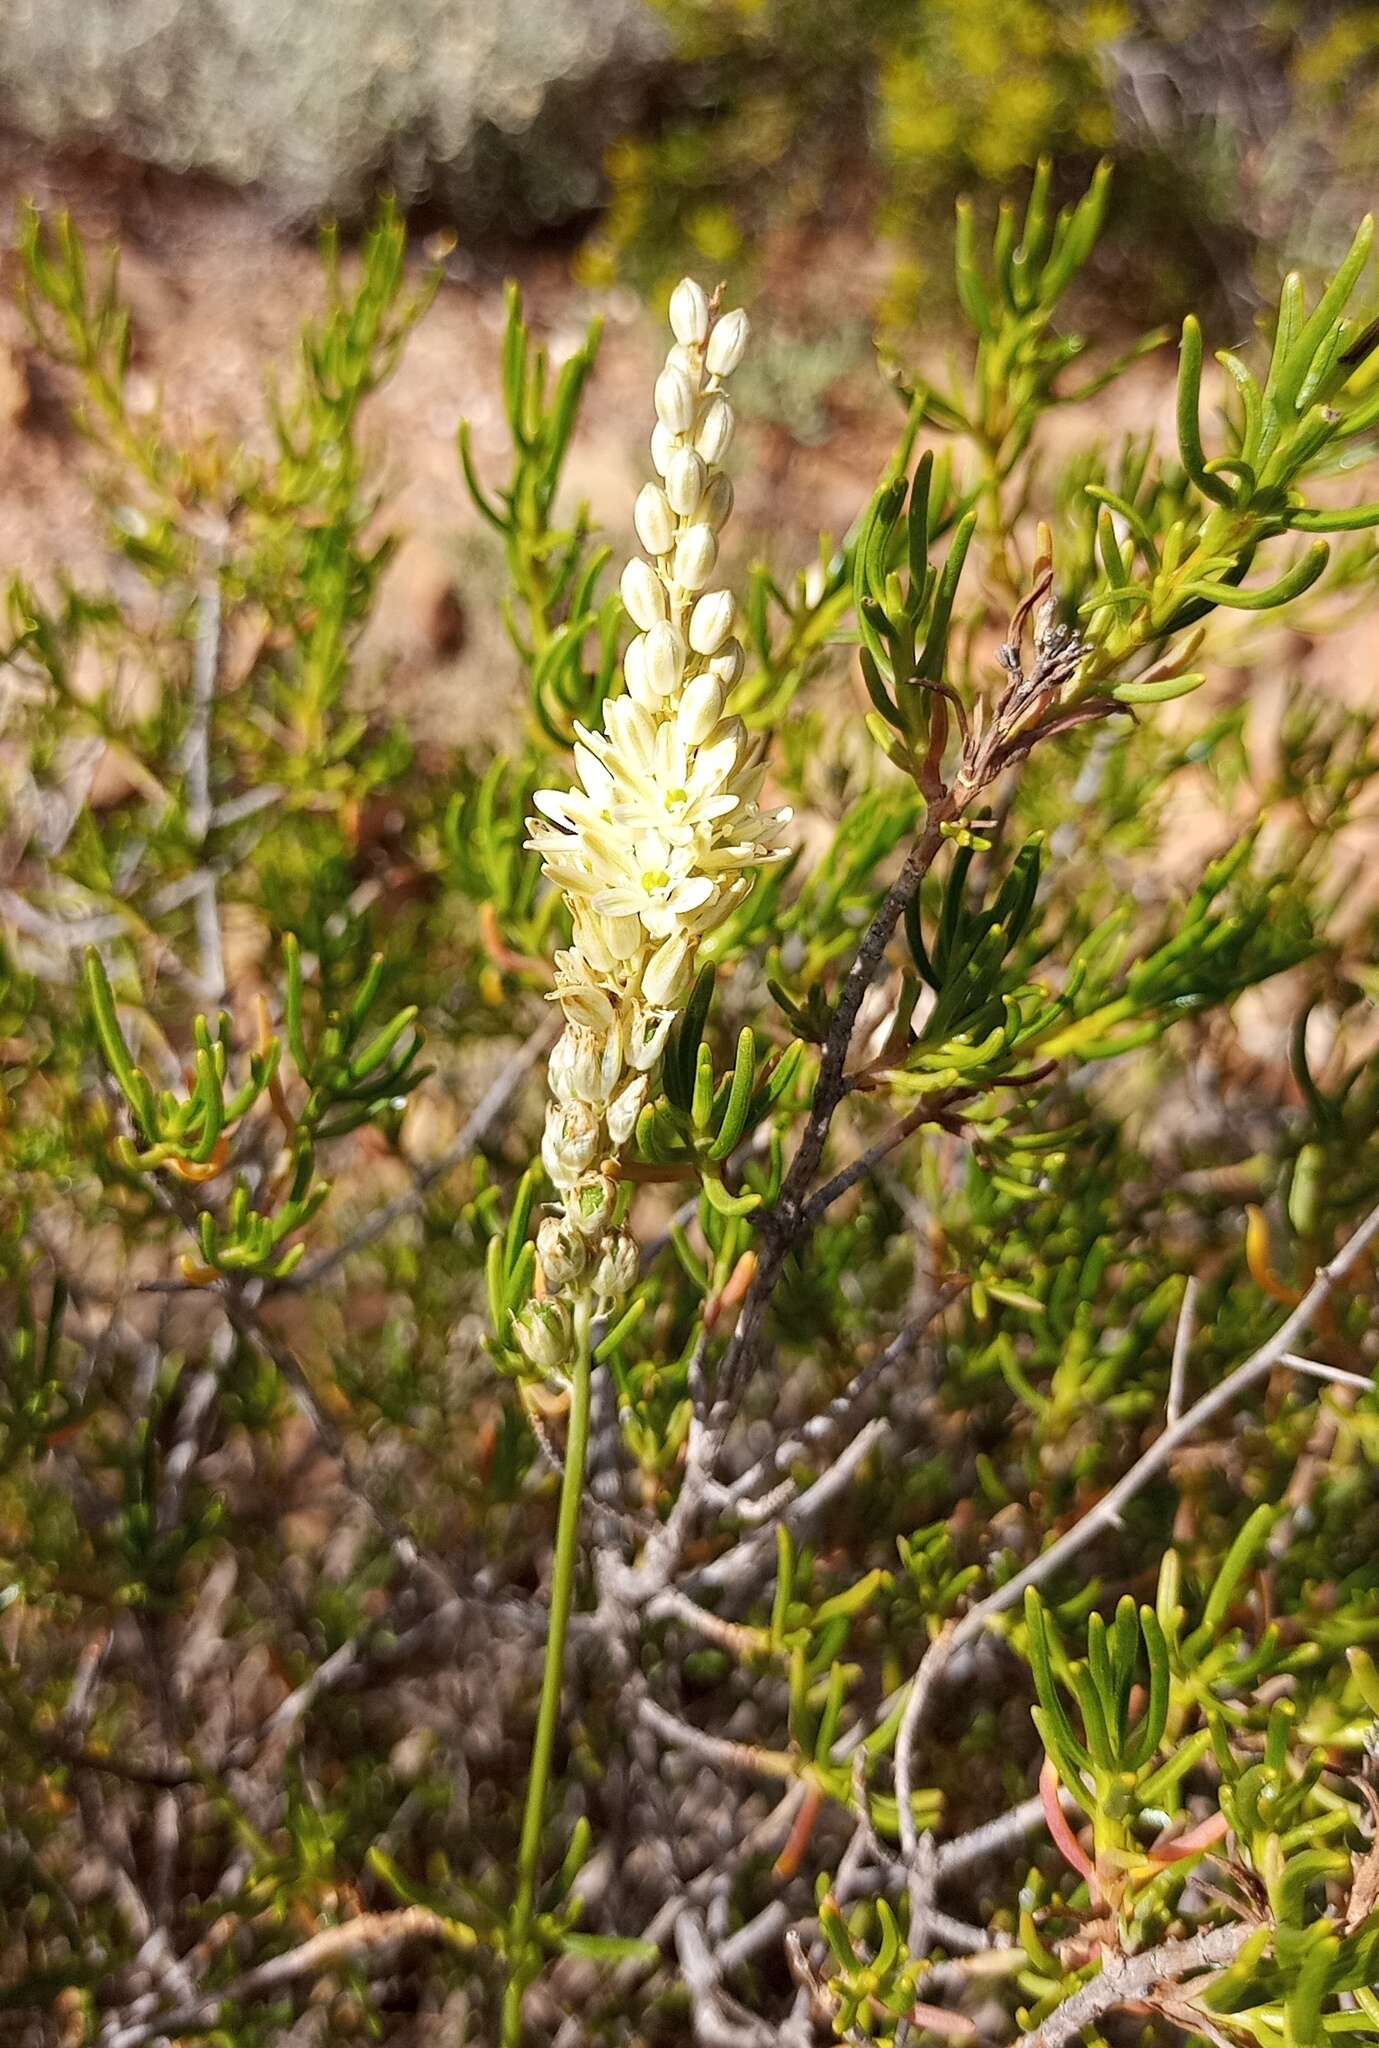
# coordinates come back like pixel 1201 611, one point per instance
pixel 548 1714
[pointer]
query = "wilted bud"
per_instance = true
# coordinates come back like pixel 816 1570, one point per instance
pixel 726 344
pixel 699 709
pixel 542 1332
pixel 570 1141
pixel 618 1264
pixel 643 594
pixel 559 1068
pixel 711 621
pixel 623 1110
pixel 674 398
pixel 714 434
pixel 654 520
pixel 689 312
pixel 696 552
pixel 562 1254
pixel 663 659
pixel 727 663
pixel 584 1004
pixel 585 1065
pixel 589 1205
pixel 646 1037
pixel 685 481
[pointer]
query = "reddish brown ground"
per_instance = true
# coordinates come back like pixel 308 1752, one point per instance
pixel 218 293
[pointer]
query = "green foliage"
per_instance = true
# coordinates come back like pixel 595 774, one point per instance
pixel 276 1526
pixel 553 606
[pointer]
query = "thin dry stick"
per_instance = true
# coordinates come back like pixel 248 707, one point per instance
pixel 1182 1349
pixel 1125 1979
pixel 819 1428
pixel 375 1935
pixel 1106 1513
pixel 196 768
pixel 739 1567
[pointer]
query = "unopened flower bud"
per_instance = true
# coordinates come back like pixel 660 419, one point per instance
pixel 570 1142
pixel 685 481
pixel 714 434
pixel 726 344
pixel 711 621
pixel 562 1254
pixel 674 398
pixel 727 663
pixel 589 1205
pixel 666 973
pixel 717 502
pixel 634 674
pixel 664 446
pixel 623 1110
pixel 618 1264
pixel 643 594
pixel 689 312
pixel 654 520
pixel 696 552
pixel 663 659
pixel 542 1332
pixel 699 709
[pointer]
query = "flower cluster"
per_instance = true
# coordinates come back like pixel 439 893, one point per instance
pixel 655 844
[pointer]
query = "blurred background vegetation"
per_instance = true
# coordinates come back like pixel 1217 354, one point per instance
pixel 665 132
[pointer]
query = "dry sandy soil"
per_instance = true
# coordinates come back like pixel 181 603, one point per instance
pixel 217 294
